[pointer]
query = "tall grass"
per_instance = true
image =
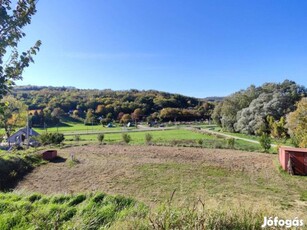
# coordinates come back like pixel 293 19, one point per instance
pixel 83 211
pixel 197 217
pixel 101 211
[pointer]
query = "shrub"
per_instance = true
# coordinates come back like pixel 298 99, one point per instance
pixel 231 143
pixel 200 142
pixel 77 137
pixel 265 142
pixel 100 137
pixel 51 138
pixel 126 138
pixel 148 138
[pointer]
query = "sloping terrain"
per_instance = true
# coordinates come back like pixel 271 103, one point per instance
pixel 222 178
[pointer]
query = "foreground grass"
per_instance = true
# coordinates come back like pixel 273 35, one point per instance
pixel 101 211
pixel 83 211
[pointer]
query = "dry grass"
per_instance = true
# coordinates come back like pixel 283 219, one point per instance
pixel 221 178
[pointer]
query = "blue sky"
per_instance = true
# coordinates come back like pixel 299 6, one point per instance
pixel 198 48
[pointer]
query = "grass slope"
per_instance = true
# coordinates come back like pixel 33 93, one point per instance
pixel 13 166
pixel 83 211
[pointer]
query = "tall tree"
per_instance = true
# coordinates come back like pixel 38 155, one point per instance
pixel 14 114
pixel 297 124
pixel 12 22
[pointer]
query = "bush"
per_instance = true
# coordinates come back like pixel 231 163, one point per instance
pixel 51 138
pixel 200 142
pixel 100 137
pixel 148 138
pixel 231 143
pixel 126 138
pixel 77 137
pixel 265 142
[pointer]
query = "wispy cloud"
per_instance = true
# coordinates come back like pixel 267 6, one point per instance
pixel 107 56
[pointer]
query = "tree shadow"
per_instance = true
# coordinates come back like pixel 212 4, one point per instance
pixel 58 159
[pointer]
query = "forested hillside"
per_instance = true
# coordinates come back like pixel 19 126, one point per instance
pixel 48 104
pixel 263 109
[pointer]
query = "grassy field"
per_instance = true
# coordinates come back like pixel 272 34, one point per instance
pixel 139 137
pixel 278 142
pixel 177 137
pixel 227 182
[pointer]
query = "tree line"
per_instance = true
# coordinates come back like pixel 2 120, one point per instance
pixel 49 104
pixel 267 109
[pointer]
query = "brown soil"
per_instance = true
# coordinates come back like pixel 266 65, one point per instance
pixel 102 167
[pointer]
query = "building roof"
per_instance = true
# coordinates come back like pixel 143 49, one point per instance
pixel 32 132
pixel 294 149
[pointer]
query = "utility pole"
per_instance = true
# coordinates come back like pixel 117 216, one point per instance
pixel 28 141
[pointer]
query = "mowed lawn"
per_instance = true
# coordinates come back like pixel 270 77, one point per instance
pixel 176 137
pixel 139 137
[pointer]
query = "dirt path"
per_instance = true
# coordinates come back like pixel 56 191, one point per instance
pixel 101 168
pixel 230 136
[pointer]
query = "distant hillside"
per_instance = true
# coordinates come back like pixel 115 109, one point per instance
pixel 212 99
pixel 112 105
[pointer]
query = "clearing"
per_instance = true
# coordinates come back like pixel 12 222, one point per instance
pixel 221 178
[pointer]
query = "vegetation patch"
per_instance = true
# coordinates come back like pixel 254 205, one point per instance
pixel 198 217
pixel 101 211
pixel 14 166
pixel 304 196
pixel 83 211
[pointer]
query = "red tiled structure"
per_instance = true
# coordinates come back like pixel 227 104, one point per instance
pixel 49 154
pixel 293 160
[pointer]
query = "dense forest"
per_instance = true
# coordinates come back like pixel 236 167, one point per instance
pixel 49 104
pixel 268 109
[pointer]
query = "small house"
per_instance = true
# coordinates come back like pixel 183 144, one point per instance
pixel 20 137
pixel 293 160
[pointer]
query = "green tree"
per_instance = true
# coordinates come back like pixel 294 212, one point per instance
pixel 148 138
pixel 297 124
pixel 13 114
pixel 265 142
pixel 12 22
pixel 277 128
pixel 51 138
pixel 90 117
